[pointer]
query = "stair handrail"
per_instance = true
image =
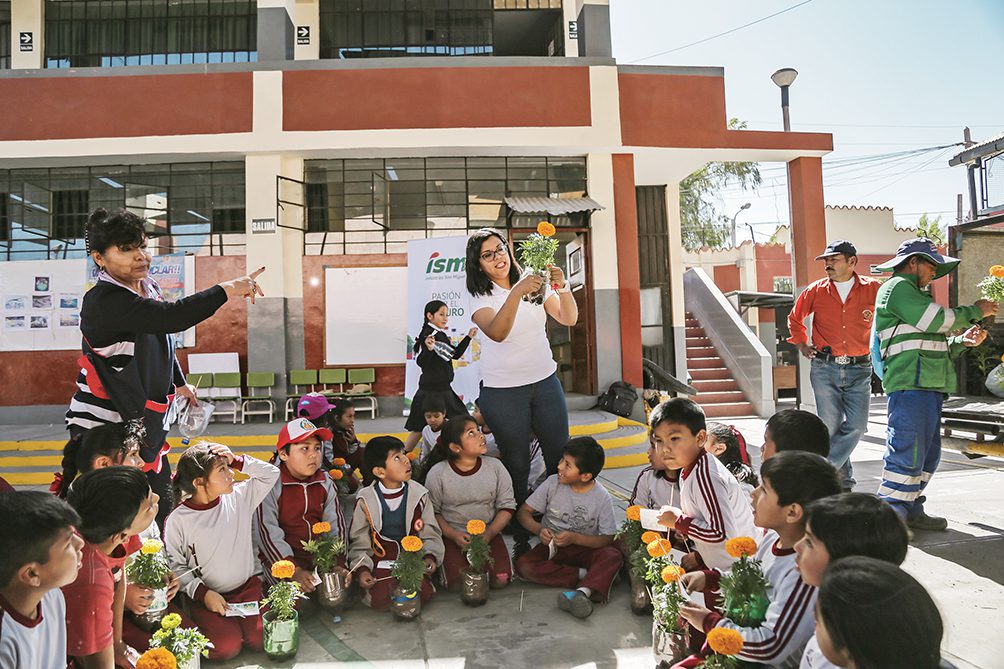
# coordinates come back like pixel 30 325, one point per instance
pixel 737 345
pixel 662 376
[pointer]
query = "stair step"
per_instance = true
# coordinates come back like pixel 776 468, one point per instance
pixel 694 332
pixel 694 352
pixel 733 410
pixel 710 374
pixel 704 363
pixel 715 385
pixel 733 397
pixel 698 341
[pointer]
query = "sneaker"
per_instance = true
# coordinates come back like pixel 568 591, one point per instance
pixel 576 603
pixel 922 521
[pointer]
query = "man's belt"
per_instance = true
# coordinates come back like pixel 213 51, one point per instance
pixel 844 359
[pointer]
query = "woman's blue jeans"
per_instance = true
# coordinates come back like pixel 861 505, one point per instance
pixel 512 413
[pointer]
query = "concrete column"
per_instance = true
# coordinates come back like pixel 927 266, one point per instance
pixel 628 272
pixel 308 15
pixel 27 16
pixel 570 12
pixel 678 311
pixel 276 35
pixel 594 29
pixel 603 245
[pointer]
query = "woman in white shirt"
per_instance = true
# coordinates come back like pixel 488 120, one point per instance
pixel 520 390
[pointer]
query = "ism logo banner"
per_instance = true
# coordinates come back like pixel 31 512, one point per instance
pixel 436 272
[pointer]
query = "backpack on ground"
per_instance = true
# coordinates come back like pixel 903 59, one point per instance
pixel 619 399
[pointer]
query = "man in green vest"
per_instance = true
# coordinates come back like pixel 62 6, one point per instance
pixel 914 358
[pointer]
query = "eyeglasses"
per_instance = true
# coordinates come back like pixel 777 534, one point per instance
pixel 499 252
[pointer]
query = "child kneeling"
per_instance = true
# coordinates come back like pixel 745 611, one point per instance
pixel 578 526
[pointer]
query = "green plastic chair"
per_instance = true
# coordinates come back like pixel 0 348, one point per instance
pixel 365 375
pixel 228 391
pixel 332 377
pixel 259 393
pixel 201 381
pixel 301 382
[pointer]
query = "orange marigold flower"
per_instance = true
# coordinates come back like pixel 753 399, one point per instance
pixel 671 573
pixel 320 528
pixel 725 641
pixel 411 543
pixel 338 462
pixel 740 547
pixel 545 229
pixel 997 271
pixel 157 658
pixel 659 548
pixel 634 512
pixel 283 569
pixel 413 454
pixel 476 527
pixel 337 474
pixel 650 536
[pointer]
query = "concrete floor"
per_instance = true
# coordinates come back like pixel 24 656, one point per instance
pixel 963 569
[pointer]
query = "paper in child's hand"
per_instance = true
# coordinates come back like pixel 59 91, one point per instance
pixel 314 578
pixel 241 609
pixel 650 520
pixel 385 564
pixel 552 550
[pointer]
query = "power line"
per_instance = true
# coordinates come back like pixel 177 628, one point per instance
pixel 957 126
pixel 722 34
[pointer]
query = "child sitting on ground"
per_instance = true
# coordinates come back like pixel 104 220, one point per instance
pixel 208 542
pixel 39 554
pixel 838 527
pixel 789 481
pixel 387 511
pixel 795 430
pixel 576 531
pixel 713 507
pixel 538 470
pixel 727 444
pixel 873 615
pixel 656 486
pixel 464 486
pixel 102 446
pixel 435 416
pixel 114 504
pixel 303 496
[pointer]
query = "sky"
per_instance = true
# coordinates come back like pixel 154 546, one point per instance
pixel 883 76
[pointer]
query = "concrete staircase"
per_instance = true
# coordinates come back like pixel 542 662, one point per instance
pixel 718 393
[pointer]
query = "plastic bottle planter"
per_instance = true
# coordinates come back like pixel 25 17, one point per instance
pixel 149 621
pixel 332 593
pixel 194 663
pixel 538 296
pixel 474 588
pixel 669 647
pixel 641 604
pixel 405 604
pixel 281 637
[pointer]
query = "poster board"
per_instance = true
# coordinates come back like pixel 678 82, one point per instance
pixel 364 315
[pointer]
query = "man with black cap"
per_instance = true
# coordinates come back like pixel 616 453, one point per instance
pixel 842 306
pixel 913 355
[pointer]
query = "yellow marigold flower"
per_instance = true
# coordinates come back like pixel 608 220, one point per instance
pixel 659 548
pixel 283 569
pixel 337 474
pixel 413 454
pixel 151 547
pixel 476 527
pixel 671 573
pixel 725 641
pixel 650 536
pixel 411 543
pixel 634 512
pixel 740 547
pixel 997 271
pixel 157 658
pixel 338 462
pixel 545 229
pixel 170 621
pixel 320 528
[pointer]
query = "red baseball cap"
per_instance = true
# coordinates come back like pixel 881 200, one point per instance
pixel 298 430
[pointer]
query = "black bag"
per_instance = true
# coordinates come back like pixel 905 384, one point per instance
pixel 619 399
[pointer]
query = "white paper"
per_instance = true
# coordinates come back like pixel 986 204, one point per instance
pixel 241 610
pixel 650 520
pixel 314 578
pixel 552 550
pixel 385 564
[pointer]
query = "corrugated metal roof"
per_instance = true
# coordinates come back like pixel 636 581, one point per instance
pixel 552 205
pixel 990 147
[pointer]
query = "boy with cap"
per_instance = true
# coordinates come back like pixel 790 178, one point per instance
pixel 913 354
pixel 303 496
pixel 842 306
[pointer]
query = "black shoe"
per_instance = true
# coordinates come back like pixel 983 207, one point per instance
pixel 922 521
pixel 519 549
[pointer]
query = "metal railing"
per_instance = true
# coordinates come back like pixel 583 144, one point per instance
pixel 737 345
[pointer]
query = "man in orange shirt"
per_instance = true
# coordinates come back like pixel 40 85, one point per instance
pixel 842 308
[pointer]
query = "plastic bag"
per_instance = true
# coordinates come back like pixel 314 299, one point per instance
pixel 995 381
pixel 193 418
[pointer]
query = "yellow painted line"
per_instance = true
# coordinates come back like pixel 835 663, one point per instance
pixel 28 478
pixel 621 461
pixel 32 445
pixel 623 442
pixel 991 448
pixel 628 422
pixel 592 428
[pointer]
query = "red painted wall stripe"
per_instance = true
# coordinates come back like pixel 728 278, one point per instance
pixel 628 271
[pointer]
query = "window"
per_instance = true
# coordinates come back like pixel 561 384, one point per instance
pixel 69 213
pixel 527 4
pixel 5 44
pixel 114 33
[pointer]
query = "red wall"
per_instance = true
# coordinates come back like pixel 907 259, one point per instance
pixel 727 277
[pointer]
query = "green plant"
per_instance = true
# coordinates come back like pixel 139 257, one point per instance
pixel 282 596
pixel 744 587
pixel 537 251
pixel 409 567
pixel 183 642
pixel 148 568
pixel 325 547
pixel 630 534
pixel 477 552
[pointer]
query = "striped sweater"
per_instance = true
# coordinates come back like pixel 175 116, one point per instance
pixel 912 334
pixel 128 369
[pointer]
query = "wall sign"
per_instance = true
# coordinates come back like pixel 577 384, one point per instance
pixel 303 35
pixel 573 30
pixel 27 42
pixel 262 226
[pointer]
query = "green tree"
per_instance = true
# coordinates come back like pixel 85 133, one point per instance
pixel 931 228
pixel 701 222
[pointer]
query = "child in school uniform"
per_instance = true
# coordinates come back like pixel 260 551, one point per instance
pixel 578 526
pixel 339 417
pixel 209 546
pixel 463 486
pixel 386 511
pixel 656 486
pixel 713 507
pixel 727 444
pixel 789 481
pixel 435 416
pixel 303 496
pixel 114 504
pixel 39 554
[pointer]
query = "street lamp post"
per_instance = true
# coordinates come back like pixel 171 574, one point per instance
pixel 741 210
pixel 784 78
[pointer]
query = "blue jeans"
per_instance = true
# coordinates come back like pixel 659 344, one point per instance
pixel 512 413
pixel 843 394
pixel 913 448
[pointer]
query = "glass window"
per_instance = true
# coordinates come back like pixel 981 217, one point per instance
pixel 5 43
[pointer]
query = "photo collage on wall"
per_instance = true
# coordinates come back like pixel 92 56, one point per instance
pixel 42 309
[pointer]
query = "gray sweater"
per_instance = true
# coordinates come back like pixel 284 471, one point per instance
pixel 480 493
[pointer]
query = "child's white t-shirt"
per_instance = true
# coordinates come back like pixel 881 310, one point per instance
pixel 813 657
pixel 524 356
pixel 38 643
pixel 429 439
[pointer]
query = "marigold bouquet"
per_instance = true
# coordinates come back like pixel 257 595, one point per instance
pixel 325 546
pixel 536 254
pixel 157 658
pixel 477 552
pixel 744 588
pixel 992 285
pixel 409 567
pixel 184 643
pixel 282 596
pixel 725 644
pixel 340 472
pixel 663 576
pixel 148 568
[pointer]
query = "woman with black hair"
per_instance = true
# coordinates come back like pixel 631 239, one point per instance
pixel 520 391
pixel 129 373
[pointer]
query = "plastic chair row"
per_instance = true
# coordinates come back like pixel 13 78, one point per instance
pixel 332 383
pixel 224 389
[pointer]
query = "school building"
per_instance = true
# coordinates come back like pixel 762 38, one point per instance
pixel 304 135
